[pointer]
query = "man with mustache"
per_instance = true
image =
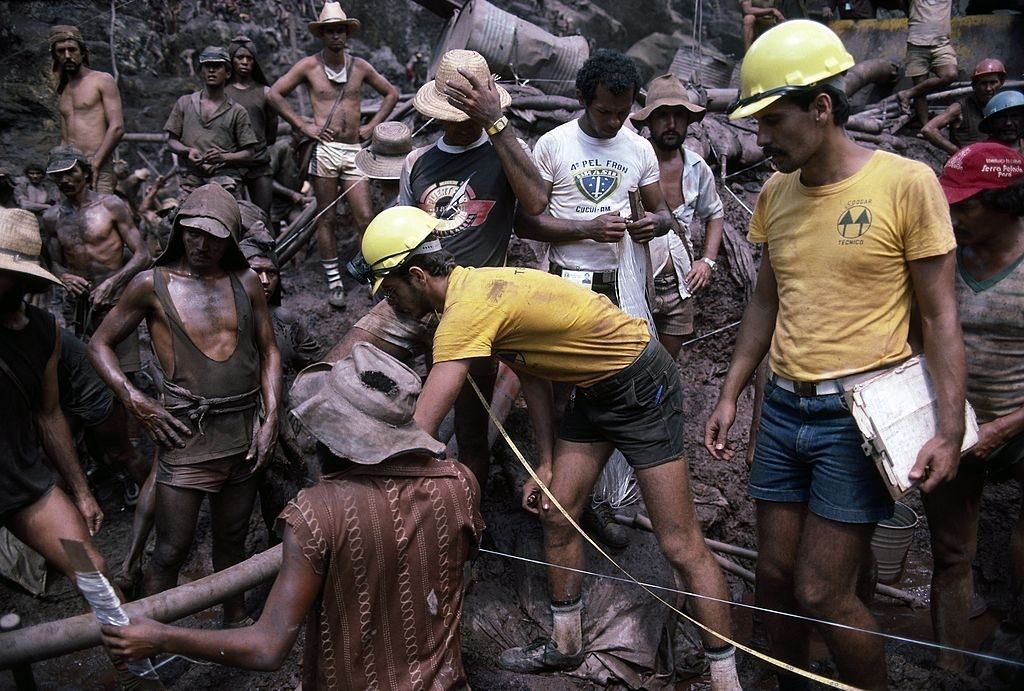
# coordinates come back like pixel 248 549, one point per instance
pixel 689 188
pixel 334 81
pixel 87 235
pixel 852 238
pixel 89 104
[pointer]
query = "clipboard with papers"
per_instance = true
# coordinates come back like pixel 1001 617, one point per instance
pixel 897 414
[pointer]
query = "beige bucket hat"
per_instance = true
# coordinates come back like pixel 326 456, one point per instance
pixel 667 90
pixel 430 99
pixel 20 246
pixel 390 144
pixel 333 14
pixel 361 408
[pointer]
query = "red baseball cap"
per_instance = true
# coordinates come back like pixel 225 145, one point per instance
pixel 981 166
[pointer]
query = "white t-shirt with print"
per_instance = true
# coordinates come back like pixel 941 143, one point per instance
pixel 591 177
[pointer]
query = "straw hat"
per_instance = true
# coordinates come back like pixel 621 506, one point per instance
pixel 333 14
pixel 20 246
pixel 431 100
pixel 667 90
pixel 390 144
pixel 361 408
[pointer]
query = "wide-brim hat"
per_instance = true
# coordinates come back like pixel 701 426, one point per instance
pixel 21 245
pixel 390 143
pixel 211 209
pixel 431 100
pixel 361 408
pixel 667 91
pixel 980 166
pixel 333 14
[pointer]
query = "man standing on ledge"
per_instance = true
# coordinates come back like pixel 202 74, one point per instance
pixel 852 238
pixel 627 395
pixel 334 81
pixel 89 103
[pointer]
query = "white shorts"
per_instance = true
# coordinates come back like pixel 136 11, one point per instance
pixel 334 160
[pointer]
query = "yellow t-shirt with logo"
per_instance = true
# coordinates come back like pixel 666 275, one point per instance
pixel 840 254
pixel 537 323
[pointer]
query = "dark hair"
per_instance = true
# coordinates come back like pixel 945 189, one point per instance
pixel 1007 200
pixel 86 169
pixel 616 71
pixel 34 166
pixel 438 263
pixel 840 102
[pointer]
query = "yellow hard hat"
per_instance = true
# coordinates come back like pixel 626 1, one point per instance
pixel 789 57
pixel 390 239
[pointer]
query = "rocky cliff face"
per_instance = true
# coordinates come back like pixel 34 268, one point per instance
pixel 155 42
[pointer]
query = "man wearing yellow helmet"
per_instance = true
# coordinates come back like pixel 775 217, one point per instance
pixel 627 396
pixel 852 237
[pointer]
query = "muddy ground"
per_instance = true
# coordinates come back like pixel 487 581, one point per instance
pixel 507 597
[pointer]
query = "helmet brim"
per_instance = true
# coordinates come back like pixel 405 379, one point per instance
pixel 751 109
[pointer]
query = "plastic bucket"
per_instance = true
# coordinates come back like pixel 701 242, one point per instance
pixel 891 542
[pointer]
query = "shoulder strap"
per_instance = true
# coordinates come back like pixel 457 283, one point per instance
pixel 5 368
pixel 341 94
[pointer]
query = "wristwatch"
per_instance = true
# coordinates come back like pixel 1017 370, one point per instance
pixel 499 124
pixel 710 262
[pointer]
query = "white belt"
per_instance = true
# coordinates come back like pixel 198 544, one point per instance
pixel 824 387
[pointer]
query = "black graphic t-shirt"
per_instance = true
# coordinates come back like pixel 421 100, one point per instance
pixel 466 187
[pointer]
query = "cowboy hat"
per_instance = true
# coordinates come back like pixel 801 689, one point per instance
pixel 667 90
pixel 431 101
pixel 333 14
pixel 20 246
pixel 361 408
pixel 390 144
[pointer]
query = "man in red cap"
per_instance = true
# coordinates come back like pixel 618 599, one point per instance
pixel 963 116
pixel 984 184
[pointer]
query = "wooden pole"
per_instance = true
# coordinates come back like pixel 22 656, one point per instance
pixel 55 638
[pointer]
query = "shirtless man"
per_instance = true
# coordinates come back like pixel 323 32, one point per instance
pixel 35 194
pixel 86 236
pixel 90 105
pixel 334 81
pixel 212 336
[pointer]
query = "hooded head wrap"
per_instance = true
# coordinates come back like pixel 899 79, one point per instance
pixel 212 209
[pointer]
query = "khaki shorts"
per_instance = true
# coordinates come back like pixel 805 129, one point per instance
pixel 414 335
pixel 106 181
pixel 924 59
pixel 673 316
pixel 334 160
pixel 206 476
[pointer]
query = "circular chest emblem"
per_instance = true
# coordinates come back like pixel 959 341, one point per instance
pixel 854 222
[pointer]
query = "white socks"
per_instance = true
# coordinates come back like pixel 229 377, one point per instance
pixel 723 669
pixel 332 271
pixel 567 626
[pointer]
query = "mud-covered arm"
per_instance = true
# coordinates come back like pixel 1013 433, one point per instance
pixel 932 131
pixel 115 120
pixel 124 223
pixel 270 372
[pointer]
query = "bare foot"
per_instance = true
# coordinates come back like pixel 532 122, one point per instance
pixel 904 102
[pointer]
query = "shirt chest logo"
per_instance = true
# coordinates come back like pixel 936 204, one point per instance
pixel 456 204
pixel 597 183
pixel 854 222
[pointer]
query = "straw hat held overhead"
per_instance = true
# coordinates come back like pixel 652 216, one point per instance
pixel 390 144
pixel 667 91
pixel 361 408
pixel 20 247
pixel 431 100
pixel 332 14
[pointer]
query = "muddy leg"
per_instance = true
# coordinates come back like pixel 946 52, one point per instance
pixel 176 512
pixel 230 510
pixel 142 523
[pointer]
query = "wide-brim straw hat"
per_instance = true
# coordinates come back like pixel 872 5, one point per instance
pixel 20 247
pixel 333 14
pixel 667 90
pixel 390 144
pixel 361 408
pixel 431 100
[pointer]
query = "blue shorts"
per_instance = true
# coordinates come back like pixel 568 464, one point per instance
pixel 809 451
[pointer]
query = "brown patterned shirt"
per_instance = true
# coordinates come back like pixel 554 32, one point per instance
pixel 391 541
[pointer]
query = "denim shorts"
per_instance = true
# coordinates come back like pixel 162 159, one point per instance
pixel 639 410
pixel 809 451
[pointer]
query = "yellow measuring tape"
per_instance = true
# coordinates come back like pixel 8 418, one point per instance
pixel 544 488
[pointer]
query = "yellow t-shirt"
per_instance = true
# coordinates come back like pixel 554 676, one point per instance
pixel 840 254
pixel 537 323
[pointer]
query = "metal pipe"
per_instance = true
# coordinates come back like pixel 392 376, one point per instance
pixel 55 638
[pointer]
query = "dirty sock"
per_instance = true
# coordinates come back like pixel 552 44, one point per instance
pixel 723 668
pixel 567 626
pixel 332 270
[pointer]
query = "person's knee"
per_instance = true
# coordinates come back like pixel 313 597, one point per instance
pixel 558 531
pixel 773 577
pixel 817 596
pixel 684 549
pixel 952 553
pixel 169 555
pixel 748 21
